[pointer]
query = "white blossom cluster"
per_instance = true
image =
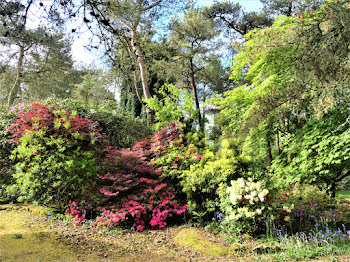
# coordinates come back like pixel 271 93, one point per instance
pixel 252 193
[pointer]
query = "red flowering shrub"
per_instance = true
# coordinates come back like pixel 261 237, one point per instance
pixel 152 208
pixel 78 214
pixel 159 141
pixel 133 193
pixel 55 154
pixel 53 120
pixel 124 173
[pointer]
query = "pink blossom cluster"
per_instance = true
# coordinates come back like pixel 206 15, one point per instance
pixel 132 192
pixel 158 142
pixel 109 218
pixel 152 207
pixel 77 214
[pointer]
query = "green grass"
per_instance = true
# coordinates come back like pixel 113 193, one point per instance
pixel 306 253
pixel 23 240
pixel 344 194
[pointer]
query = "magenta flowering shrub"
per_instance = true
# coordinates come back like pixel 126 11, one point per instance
pixel 123 173
pixel 157 144
pixel 150 208
pixel 133 193
pixel 78 214
pixel 109 218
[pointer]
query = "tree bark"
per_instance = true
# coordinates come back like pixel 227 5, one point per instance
pixel 143 70
pixel 333 189
pixel 195 95
pixel 278 143
pixel 204 98
pixel 139 97
pixel 268 152
pixel 17 85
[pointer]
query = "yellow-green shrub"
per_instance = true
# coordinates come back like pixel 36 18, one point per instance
pixel 202 181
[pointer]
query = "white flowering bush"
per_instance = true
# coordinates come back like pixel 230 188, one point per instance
pixel 244 203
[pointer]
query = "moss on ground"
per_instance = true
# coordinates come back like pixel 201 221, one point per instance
pixel 194 239
pixel 26 234
pixel 23 240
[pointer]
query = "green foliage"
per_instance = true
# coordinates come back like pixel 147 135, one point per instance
pixel 291 8
pixel 51 169
pixel 192 34
pixel 232 17
pixel 55 152
pixel 176 159
pixel 317 153
pixel 289 74
pixel 40 57
pixel 172 104
pixel 202 181
pixel 264 62
pixel 94 89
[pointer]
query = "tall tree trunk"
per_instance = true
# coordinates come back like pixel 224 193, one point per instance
pixel 139 97
pixel 286 123
pixel 195 95
pixel 269 151
pixel 278 142
pixel 17 85
pixel 333 189
pixel 143 70
pixel 204 98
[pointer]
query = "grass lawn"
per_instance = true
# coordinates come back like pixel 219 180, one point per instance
pixel 344 194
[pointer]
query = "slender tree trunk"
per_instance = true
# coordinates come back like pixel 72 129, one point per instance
pixel 333 189
pixel 17 85
pixel 286 123
pixel 268 152
pixel 204 98
pixel 195 95
pixel 143 70
pixel 139 97
pixel 278 143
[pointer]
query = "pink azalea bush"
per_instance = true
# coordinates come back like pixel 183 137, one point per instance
pixel 151 208
pixel 77 214
pixel 132 192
